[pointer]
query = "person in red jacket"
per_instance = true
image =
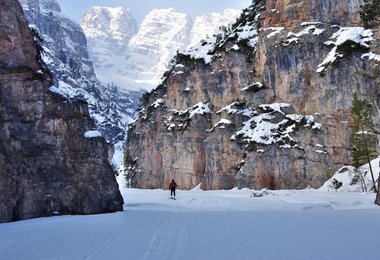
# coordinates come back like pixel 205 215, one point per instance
pixel 172 187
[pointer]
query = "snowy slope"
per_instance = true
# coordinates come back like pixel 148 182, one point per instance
pixel 139 62
pixel 295 225
pixel 349 180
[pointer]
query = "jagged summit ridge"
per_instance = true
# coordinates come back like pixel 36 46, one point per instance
pixel 117 21
pixel 52 5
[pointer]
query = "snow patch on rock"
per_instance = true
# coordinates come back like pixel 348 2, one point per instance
pixel 271 125
pixel 92 134
pixel 371 56
pixel 354 36
pixel 273 31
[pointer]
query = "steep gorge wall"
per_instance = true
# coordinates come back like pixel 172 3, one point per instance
pixel 271 110
pixel 47 166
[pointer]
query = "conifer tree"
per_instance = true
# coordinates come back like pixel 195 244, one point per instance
pixel 129 167
pixel 363 137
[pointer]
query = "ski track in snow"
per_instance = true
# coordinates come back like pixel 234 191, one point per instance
pixel 168 233
pixel 295 225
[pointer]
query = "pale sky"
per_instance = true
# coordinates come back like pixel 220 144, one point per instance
pixel 139 8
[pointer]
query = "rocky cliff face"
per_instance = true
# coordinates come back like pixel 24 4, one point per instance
pixel 65 53
pixel 136 59
pixel 266 104
pixel 289 13
pixel 62 36
pixel 47 165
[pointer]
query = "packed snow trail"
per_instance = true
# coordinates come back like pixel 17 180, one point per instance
pixel 293 225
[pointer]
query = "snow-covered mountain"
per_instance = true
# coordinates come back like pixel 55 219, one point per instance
pixel 65 53
pixel 139 62
pixel 162 32
pixel 108 31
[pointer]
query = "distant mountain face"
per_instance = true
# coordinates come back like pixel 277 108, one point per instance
pixel 108 31
pixel 65 53
pixel 162 32
pixel 139 62
pixel 64 42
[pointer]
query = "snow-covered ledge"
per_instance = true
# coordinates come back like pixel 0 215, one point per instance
pixel 92 134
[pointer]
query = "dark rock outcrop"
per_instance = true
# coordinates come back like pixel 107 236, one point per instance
pixel 47 166
pixel 272 107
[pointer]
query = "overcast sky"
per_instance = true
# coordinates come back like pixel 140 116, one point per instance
pixel 139 8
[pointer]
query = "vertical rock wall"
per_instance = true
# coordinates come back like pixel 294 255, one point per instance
pixel 276 100
pixel 47 166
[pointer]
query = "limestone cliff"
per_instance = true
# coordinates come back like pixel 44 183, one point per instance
pixel 47 165
pixel 266 103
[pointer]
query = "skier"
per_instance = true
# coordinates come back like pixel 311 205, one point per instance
pixel 172 187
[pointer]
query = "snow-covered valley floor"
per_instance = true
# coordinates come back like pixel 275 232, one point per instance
pixel 305 224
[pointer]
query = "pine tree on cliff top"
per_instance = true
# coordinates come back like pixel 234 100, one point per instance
pixel 129 168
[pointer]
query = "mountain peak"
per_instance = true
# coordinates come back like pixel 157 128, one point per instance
pixel 112 11
pixel 114 22
pixel 164 15
pixel 163 10
pixel 51 5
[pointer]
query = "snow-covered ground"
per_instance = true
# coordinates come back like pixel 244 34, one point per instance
pixel 306 224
